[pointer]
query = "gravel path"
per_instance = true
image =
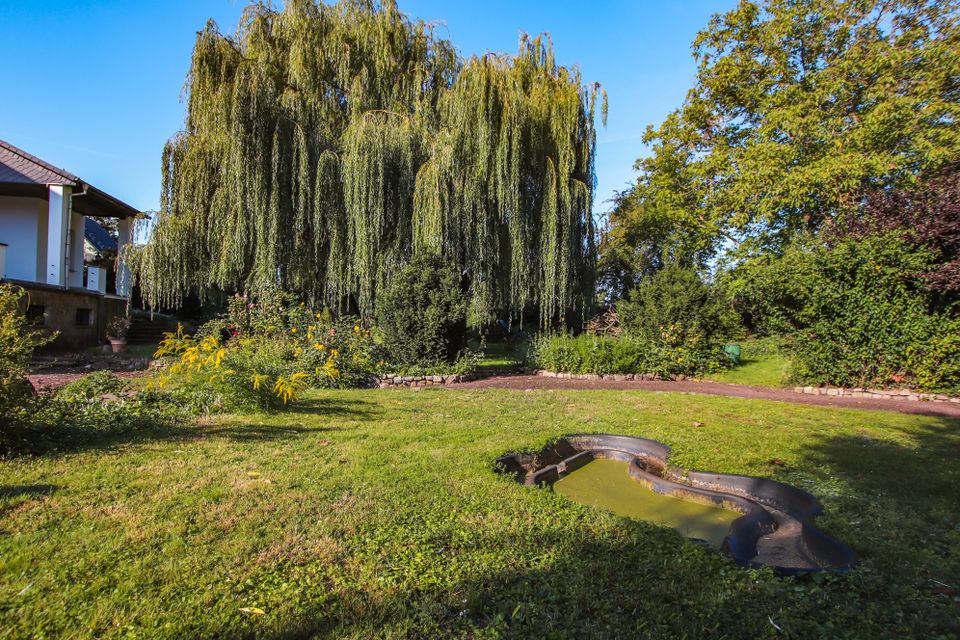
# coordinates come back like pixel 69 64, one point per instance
pixel 45 381
pixel 528 382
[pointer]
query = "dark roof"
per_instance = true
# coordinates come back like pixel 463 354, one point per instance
pixel 96 235
pixel 26 174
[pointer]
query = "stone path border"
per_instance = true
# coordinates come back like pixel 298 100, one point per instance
pixel 706 387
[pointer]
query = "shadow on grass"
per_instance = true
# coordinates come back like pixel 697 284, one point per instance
pixel 917 479
pixel 20 490
pixel 896 503
pixel 63 439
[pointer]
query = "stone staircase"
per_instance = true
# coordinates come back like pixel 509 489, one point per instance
pixel 147 330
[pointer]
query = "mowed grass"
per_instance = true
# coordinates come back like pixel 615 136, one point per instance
pixel 366 514
pixel 761 371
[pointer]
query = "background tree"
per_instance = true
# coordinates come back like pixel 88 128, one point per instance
pixel 798 107
pixel 326 144
pixel 928 216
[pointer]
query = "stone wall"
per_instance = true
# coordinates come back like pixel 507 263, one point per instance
pixel 909 395
pixel 394 380
pixel 78 316
pixel 620 377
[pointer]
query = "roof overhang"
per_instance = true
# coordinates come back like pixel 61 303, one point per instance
pixel 86 200
pixel 23 174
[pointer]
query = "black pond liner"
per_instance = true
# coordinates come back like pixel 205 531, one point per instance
pixel 776 528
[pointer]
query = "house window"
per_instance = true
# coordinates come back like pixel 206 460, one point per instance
pixel 84 317
pixel 35 314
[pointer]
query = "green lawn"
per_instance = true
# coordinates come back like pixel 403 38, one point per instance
pixel 761 371
pixel 376 514
pixel 499 358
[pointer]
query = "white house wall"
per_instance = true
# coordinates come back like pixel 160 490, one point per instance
pixel 23 229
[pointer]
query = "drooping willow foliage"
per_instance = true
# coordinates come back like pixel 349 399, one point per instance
pixel 326 144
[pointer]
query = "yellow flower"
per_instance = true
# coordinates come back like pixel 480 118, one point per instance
pixel 320 347
pixel 293 329
pixel 356 329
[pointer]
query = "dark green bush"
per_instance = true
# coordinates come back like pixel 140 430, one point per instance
pixel 423 315
pixel 859 311
pixel 682 319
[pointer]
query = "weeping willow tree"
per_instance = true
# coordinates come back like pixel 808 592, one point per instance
pixel 326 144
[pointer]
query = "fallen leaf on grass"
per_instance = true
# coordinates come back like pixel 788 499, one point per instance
pixel 253 474
pixel 698 424
pixel 254 611
pixel 323 443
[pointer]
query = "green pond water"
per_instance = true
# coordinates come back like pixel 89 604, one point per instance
pixel 607 484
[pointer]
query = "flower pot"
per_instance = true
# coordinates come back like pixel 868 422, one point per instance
pixel 118 344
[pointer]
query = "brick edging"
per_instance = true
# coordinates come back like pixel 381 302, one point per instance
pixel 393 380
pixel 619 377
pixel 910 395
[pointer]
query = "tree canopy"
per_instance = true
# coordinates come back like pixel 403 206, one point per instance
pixel 798 108
pixel 325 145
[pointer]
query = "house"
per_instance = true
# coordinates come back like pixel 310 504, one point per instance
pixel 52 245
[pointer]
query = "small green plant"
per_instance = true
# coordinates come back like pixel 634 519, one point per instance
pixel 18 341
pixel 118 327
pixel 92 386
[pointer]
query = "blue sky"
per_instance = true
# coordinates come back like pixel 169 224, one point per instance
pixel 95 87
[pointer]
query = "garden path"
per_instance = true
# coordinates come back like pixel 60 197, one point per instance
pixel 530 382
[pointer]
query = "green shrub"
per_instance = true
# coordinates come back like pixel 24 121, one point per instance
pixel 92 386
pixel 682 319
pixel 859 310
pixel 268 366
pixel 591 354
pixel 423 315
pixel 81 412
pixel 337 354
pixel 209 376
pixel 18 340
pixel 935 363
